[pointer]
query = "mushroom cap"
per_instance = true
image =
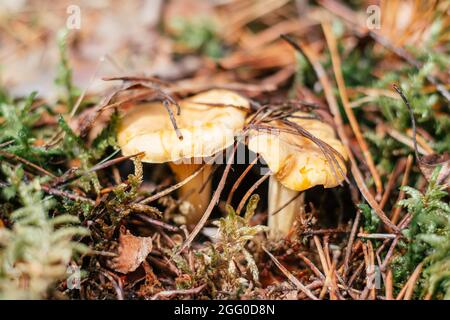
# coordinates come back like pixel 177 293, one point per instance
pixel 296 161
pixel 208 122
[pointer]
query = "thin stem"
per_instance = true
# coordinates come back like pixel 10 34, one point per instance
pixel 240 179
pixel 197 192
pixel 250 192
pixel 212 203
pixel 281 223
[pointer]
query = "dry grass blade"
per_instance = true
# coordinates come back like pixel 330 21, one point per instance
pixel 329 269
pixel 240 179
pixel 172 188
pixel 331 41
pixel 322 257
pixel 250 192
pixel 349 248
pixel 389 285
pixel 408 289
pixel 401 195
pixel 301 194
pixel 399 168
pixel 290 276
pixel 312 266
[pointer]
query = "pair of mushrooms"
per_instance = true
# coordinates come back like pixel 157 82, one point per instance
pixel 209 122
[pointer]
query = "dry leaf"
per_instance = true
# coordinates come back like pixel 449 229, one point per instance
pixel 428 163
pixel 132 251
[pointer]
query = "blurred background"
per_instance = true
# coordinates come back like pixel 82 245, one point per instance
pixel 239 38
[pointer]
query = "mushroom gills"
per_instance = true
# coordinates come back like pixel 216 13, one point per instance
pixel 190 192
pixel 281 222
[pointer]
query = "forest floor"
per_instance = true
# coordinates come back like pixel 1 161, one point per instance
pixel 81 220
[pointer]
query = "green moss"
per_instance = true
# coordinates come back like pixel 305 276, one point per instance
pixel 198 35
pixel 428 237
pixel 39 245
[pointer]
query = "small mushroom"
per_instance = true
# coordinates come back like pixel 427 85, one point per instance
pixel 297 163
pixel 208 123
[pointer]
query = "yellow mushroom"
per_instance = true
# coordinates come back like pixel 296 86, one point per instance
pixel 208 123
pixel 297 164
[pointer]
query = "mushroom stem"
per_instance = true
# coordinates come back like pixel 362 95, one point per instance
pixel 191 191
pixel 281 222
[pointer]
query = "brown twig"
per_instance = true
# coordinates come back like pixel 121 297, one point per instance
pixel 65 194
pixel 376 235
pixel 172 188
pixel 73 174
pixel 401 195
pixel 311 265
pixel 12 156
pixel 290 276
pixel 390 252
pixel 351 239
pixel 250 192
pixel 6 143
pixel 159 223
pixel 169 293
pixel 389 285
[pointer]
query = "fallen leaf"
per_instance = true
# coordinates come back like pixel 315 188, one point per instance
pixel 428 163
pixel 132 251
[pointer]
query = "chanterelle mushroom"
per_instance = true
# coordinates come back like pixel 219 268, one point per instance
pixel 208 123
pixel 297 164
